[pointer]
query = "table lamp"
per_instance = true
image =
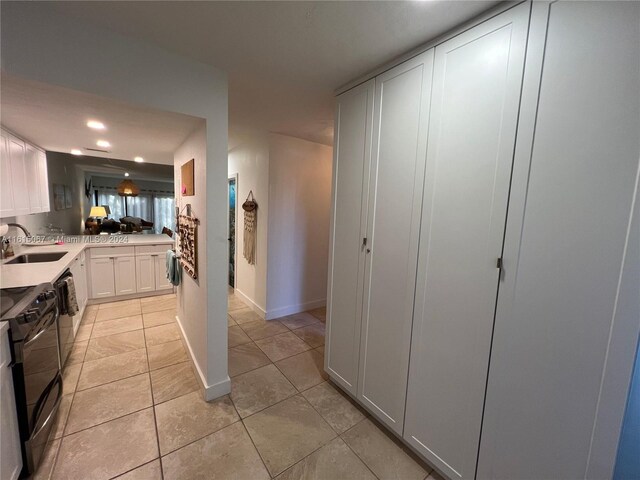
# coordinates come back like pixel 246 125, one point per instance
pixel 98 213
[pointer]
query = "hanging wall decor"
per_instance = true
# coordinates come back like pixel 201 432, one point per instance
pixel 250 208
pixel 188 241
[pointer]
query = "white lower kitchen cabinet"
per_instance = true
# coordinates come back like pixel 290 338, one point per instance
pixel 103 284
pixel 145 273
pixel 10 452
pixel 119 271
pixel 124 269
pixel 162 282
pixel 151 268
pixel 79 272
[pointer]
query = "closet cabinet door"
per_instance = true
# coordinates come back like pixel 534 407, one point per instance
pixel 567 330
pixel 476 91
pixel 354 114
pixel 397 176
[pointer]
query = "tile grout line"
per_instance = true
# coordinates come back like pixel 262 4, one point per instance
pixel 153 404
pixel 298 392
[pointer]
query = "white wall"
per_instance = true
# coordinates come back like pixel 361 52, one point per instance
pixel 250 160
pixel 291 181
pixel 299 210
pixel 190 301
pixel 40 44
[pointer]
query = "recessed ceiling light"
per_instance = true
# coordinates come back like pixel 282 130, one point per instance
pixel 75 151
pixel 95 125
pixel 138 159
pixel 103 143
pixel 126 174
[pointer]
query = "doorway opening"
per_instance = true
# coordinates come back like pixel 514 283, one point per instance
pixel 233 185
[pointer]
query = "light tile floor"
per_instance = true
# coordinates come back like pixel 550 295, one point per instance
pixel 133 410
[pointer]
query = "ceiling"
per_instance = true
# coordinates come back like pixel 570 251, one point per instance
pixel 55 118
pixel 284 59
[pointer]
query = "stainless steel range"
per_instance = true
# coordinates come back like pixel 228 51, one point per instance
pixel 32 313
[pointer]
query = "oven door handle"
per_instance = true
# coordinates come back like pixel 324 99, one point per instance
pixel 45 327
pixel 54 409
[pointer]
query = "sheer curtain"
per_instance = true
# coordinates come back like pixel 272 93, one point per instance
pixel 140 206
pixel 163 213
pixel 114 201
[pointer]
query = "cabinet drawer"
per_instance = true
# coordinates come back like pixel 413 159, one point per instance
pixel 112 251
pixel 152 249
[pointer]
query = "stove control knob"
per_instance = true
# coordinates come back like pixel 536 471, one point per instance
pixel 50 294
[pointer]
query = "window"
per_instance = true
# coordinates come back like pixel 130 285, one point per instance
pixel 163 213
pixel 113 201
pixel 153 207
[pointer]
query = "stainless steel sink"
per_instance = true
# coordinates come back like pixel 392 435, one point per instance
pixel 38 257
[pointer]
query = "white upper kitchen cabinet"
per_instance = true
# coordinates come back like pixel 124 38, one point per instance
pixel 400 126
pixel 567 320
pixel 352 156
pixel 32 171
pixel 24 182
pixel 43 181
pixel 476 92
pixel 6 190
pixel 18 180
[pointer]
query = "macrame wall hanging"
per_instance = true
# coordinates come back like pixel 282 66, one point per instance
pixel 250 208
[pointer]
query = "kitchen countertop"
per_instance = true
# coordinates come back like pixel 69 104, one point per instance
pixel 24 275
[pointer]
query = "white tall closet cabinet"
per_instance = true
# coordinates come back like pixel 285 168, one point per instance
pixel 448 314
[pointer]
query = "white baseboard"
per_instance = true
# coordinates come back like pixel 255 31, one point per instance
pixel 250 303
pixel 297 308
pixel 217 390
pixel 210 392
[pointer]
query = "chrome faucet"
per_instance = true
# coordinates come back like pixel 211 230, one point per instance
pixel 17 225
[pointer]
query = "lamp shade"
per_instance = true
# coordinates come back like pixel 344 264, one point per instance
pixel 127 188
pixel 107 209
pixel 98 212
